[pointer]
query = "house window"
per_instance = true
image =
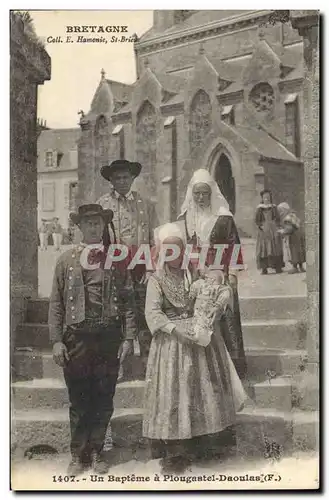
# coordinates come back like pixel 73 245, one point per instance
pixel 48 197
pixel 49 159
pixel 73 196
pixel 70 195
pixel 74 158
pixel 292 124
pixel 228 115
pixel 59 158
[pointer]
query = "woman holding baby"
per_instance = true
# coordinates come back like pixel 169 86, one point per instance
pixel 192 388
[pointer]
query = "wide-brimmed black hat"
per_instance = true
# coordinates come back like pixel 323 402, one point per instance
pixel 133 166
pixel 91 210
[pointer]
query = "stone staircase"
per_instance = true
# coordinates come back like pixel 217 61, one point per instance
pixel 275 349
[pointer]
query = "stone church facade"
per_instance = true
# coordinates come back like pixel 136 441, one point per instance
pixel 215 89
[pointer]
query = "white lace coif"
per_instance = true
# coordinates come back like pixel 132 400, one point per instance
pixel 201 220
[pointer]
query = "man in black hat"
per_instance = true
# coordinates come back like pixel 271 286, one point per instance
pixel 88 317
pixel 134 219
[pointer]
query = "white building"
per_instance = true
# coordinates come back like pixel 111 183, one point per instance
pixel 57 174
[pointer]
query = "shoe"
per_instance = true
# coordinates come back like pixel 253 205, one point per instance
pixel 174 465
pixel 301 269
pixel 100 463
pixel 75 468
pixel 264 271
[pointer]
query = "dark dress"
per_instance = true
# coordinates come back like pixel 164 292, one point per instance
pixel 225 232
pixel 269 251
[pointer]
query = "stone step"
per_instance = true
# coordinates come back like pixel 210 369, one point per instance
pixel 276 333
pixel 258 430
pixel 33 427
pixel 33 364
pixel 52 394
pixel 37 365
pixel 271 433
pixel 271 307
pixel 50 391
pixel 277 361
pixel 279 333
pixel 275 393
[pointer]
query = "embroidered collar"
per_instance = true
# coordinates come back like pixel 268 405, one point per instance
pixel 129 196
pixel 82 246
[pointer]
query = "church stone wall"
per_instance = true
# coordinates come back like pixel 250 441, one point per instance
pixel 148 137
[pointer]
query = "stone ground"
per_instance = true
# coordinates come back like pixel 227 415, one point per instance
pixel 251 283
pixel 299 471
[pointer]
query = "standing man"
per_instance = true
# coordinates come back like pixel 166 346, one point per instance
pixel 57 234
pixel 43 234
pixel 134 219
pixel 88 318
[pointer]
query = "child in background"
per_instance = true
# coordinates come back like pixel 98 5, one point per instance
pixel 294 237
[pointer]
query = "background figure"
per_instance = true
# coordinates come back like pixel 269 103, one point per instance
pixel 134 220
pixel 208 220
pixel 293 234
pixel 43 234
pixel 269 251
pixel 57 232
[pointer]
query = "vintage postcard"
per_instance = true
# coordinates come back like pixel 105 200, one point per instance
pixel 164 249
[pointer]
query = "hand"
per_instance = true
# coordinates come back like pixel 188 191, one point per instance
pixel 181 335
pixel 60 354
pixel 126 349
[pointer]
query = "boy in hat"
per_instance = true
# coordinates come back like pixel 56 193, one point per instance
pixel 88 314
pixel 134 219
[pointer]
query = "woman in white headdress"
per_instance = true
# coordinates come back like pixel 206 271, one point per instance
pixel 208 220
pixel 188 393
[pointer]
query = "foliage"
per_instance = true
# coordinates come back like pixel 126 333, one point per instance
pixel 278 16
pixel 28 25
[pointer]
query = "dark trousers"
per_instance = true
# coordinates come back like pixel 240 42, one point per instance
pixel 90 376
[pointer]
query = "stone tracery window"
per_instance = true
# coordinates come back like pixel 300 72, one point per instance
pixel 200 118
pixel 262 97
pixel 146 141
pixel 101 140
pixel 292 124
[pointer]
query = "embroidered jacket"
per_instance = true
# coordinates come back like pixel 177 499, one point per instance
pixel 67 300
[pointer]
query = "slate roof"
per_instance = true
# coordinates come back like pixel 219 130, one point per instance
pixel 264 144
pixel 121 91
pixel 198 19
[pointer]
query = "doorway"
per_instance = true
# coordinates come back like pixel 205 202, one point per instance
pixel 225 180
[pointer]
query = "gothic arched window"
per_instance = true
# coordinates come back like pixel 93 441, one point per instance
pixel 146 143
pixel 200 118
pixel 101 140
